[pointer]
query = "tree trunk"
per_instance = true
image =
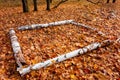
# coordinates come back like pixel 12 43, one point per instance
pixel 114 1
pixel 50 1
pixel 48 4
pixel 108 1
pixel 25 6
pixel 35 5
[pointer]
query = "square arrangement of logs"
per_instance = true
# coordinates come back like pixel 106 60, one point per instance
pixel 19 57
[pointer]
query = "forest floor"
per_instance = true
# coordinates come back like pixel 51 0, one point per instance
pixel 45 43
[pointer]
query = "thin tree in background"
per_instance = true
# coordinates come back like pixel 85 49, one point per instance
pixel 35 5
pixel 25 6
pixel 48 4
pixel 108 1
pixel 50 1
pixel 114 1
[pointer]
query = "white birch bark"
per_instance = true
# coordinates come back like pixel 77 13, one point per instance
pixel 118 40
pixel 63 57
pixel 36 26
pixel 88 27
pixel 16 48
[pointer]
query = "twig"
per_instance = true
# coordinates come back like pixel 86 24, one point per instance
pixel 93 2
pixel 16 49
pixel 63 57
pixel 62 1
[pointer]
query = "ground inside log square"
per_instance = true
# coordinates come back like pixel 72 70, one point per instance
pixel 46 43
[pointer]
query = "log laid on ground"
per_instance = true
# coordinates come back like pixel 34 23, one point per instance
pixel 118 40
pixel 63 57
pixel 88 27
pixel 16 49
pixel 36 26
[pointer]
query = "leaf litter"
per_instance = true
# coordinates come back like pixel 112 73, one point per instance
pixel 45 43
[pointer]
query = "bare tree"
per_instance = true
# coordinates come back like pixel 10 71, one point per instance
pixel 108 1
pixel 35 5
pixel 50 1
pixel 113 1
pixel 48 4
pixel 25 6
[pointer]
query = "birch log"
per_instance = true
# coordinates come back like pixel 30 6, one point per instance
pixel 63 57
pixel 36 26
pixel 88 27
pixel 118 40
pixel 16 48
